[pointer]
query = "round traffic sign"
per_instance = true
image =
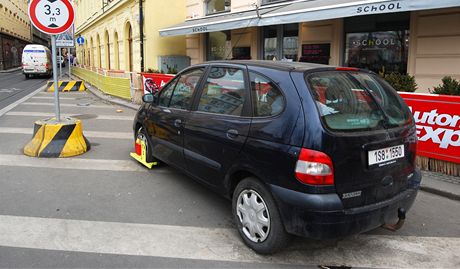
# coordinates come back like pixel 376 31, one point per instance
pixel 80 40
pixel 51 16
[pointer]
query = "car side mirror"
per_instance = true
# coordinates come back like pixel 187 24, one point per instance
pixel 149 98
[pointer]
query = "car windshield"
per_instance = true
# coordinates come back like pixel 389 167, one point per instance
pixel 350 101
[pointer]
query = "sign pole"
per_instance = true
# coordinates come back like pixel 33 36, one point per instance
pixel 70 64
pixel 60 64
pixel 55 79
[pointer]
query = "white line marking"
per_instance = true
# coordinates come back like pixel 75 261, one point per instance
pixel 113 135
pixel 71 163
pixel 15 104
pixel 68 105
pixel 52 98
pixel 220 244
pixel 44 114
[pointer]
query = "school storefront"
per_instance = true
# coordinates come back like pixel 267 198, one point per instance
pixel 418 37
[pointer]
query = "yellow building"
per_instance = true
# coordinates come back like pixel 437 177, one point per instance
pixel 112 33
pixel 418 37
pixel 15 32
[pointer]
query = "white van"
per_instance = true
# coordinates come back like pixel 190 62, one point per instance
pixel 36 60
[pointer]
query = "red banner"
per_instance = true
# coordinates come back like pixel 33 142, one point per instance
pixel 152 82
pixel 438 125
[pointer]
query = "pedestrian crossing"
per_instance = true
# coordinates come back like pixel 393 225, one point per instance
pixel 220 244
pixel 161 238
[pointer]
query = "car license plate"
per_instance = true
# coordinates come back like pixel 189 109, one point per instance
pixel 385 155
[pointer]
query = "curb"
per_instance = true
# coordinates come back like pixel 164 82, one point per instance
pixel 11 70
pixel 442 193
pixel 98 93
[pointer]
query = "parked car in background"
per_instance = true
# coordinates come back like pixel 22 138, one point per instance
pixel 300 149
pixel 36 61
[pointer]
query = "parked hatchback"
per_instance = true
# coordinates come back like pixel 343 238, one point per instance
pixel 301 149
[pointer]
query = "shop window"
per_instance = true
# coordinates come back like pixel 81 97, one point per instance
pixel 219 46
pixel 378 43
pixel 281 42
pixel 217 6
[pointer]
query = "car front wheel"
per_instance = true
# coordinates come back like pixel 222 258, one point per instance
pixel 257 217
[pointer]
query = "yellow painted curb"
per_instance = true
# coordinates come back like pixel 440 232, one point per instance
pixel 67 86
pixel 52 139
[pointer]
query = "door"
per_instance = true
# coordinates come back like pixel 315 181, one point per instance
pixel 217 130
pixel 168 117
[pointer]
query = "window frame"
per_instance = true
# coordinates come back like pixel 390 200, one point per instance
pixel 253 99
pixel 247 106
pixel 197 87
pixel 163 89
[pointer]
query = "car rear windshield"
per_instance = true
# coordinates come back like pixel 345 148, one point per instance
pixel 351 101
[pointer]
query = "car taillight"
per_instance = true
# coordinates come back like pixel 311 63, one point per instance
pixel 46 65
pixel 347 69
pixel 314 168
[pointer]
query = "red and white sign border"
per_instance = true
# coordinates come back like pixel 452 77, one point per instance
pixel 52 31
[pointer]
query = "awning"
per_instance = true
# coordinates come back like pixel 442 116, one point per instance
pixel 331 9
pixel 303 11
pixel 213 23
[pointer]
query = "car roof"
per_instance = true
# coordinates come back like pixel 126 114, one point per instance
pixel 280 65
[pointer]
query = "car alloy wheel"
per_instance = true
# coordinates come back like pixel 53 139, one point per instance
pixel 253 215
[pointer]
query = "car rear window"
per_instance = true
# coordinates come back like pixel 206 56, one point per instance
pixel 351 101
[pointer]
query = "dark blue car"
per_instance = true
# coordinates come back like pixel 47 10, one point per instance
pixel 301 149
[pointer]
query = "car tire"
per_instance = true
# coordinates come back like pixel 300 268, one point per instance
pixel 268 237
pixel 27 76
pixel 142 134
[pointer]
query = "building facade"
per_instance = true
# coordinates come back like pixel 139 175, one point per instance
pixel 15 32
pixel 418 37
pixel 112 32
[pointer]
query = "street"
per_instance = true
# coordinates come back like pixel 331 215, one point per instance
pixel 103 209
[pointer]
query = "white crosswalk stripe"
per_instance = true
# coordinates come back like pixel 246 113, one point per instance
pixel 82 105
pixel 111 135
pixel 71 163
pixel 220 244
pixel 45 114
pixel 51 98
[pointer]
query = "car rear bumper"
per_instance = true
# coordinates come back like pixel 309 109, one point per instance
pixel 36 72
pixel 321 216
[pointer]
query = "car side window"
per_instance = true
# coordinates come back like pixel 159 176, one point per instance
pixel 267 98
pixel 224 91
pixel 185 87
pixel 166 93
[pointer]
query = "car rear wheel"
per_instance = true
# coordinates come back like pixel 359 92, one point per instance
pixel 257 217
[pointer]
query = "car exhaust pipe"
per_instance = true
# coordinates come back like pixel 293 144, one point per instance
pixel 399 224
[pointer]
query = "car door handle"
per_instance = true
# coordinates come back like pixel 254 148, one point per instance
pixel 178 123
pixel 232 133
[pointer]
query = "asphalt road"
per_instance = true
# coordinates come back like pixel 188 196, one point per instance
pixel 102 209
pixel 14 86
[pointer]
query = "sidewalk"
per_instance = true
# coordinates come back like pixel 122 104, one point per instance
pixel 432 182
pixel 440 184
